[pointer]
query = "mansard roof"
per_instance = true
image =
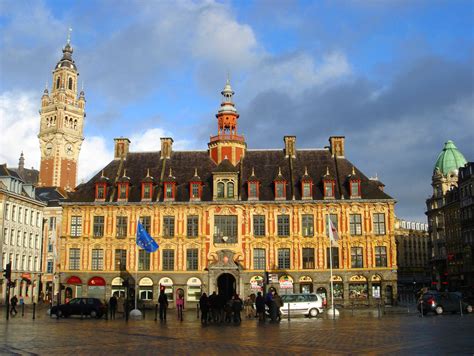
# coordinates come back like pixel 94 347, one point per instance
pixel 265 163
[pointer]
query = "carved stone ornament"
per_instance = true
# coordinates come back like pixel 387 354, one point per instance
pixel 358 278
pixel 225 260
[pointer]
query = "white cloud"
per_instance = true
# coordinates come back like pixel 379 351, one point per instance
pixel 149 140
pixel 94 156
pixel 19 126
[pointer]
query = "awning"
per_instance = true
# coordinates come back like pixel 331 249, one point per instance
pixel 96 281
pixel 73 280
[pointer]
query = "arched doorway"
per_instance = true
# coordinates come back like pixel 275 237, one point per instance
pixel 226 285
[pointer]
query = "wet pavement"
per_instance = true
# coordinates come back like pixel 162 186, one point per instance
pixel 398 331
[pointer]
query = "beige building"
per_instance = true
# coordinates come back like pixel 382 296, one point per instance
pixel 21 223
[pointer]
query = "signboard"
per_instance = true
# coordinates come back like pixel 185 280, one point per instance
pixel 273 277
pixel 256 282
pixel 286 282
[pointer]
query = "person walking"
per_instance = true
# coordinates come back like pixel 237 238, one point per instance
pixel 113 306
pixel 163 302
pixel 13 303
pixel 237 306
pixel 260 305
pixel 278 304
pixel 180 306
pixel 213 313
pixel 121 305
pixel 248 305
pixel 204 306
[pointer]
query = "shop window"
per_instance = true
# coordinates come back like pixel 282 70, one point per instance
pixel 358 290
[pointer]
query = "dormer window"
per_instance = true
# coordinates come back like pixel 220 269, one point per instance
pixel 230 190
pixel 220 190
pixel 280 190
pixel 306 185
pixel 122 187
pixel 100 191
pixel 147 189
pixel 354 185
pixel 170 187
pixel 195 191
pixel 253 186
pixel 328 185
pixel 280 186
pixel 225 189
pixel 147 186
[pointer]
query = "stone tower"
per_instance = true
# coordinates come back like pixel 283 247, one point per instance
pixel 62 125
pixel 227 144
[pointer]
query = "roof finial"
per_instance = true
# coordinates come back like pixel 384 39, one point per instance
pixel 327 170
pixel 82 86
pixel 171 172
pixel 102 174
pixel 305 170
pixel 195 172
pixel 228 77
pixel 125 172
pixel 69 35
pixel 148 172
pixel 353 171
pixel 279 170
pixel 253 171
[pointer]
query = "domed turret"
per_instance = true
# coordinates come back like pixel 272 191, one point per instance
pixel 449 160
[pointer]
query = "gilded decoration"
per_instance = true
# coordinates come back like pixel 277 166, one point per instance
pixel 336 278
pixel 358 278
pixel 305 279
pixel 376 278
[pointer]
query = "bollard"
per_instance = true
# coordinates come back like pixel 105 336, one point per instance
pixel 460 306
pixel 288 311
pixel 144 311
pixel 197 310
pixel 126 311
pixel 352 308
pixel 156 312
pixel 23 310
pixel 82 313
pixel 34 310
pixel 107 312
pixel 421 307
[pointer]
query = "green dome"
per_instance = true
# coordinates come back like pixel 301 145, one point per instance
pixel 450 159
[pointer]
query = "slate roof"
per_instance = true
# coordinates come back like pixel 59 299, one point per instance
pixel 51 195
pixel 265 163
pixel 29 176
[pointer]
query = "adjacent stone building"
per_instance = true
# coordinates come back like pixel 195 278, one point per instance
pixel 21 223
pixel 226 215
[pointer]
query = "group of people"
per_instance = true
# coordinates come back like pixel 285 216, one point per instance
pixel 163 303
pixel 216 309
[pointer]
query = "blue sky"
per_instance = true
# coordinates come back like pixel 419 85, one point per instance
pixel 394 77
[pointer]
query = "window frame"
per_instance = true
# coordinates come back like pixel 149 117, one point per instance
pixel 192 226
pixel 168 226
pixel 168 256
pixel 283 225
pixel 307 223
pixel 308 261
pixel 357 257
pixel 192 259
pixel 284 258
pixel 379 226
pixel 259 258
pixel 98 227
pixel 76 226
pixel 380 253
pixel 74 259
pixel 355 224
pixel 97 259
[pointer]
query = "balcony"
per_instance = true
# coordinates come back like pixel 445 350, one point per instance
pixel 224 137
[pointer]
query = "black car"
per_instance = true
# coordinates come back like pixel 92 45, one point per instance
pixel 80 306
pixel 440 302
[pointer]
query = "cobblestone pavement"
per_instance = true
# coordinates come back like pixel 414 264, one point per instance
pixel 396 332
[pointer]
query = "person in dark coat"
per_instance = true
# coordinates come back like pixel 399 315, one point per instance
pixel 213 309
pixel 237 306
pixel 13 303
pixel 113 306
pixel 163 302
pixel 204 306
pixel 260 305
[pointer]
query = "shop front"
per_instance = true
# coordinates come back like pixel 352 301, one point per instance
pixel 145 290
pixel 118 288
pixel 358 289
pixel 167 284
pixel 306 284
pixel 256 284
pixel 73 288
pixel 285 284
pixel 194 289
pixel 96 288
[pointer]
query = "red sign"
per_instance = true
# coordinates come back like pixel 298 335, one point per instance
pixel 96 281
pixel 74 280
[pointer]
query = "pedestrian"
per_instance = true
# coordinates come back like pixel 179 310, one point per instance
pixel 248 305
pixel 260 305
pixel 271 304
pixel 204 306
pixel 113 305
pixel 13 303
pixel 237 307
pixel 228 311
pixel 121 305
pixel 214 315
pixel 163 302
pixel 278 304
pixel 180 306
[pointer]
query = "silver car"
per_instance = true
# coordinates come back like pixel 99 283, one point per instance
pixel 307 304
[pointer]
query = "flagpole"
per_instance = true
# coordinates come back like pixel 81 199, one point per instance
pixel 332 283
pixel 136 268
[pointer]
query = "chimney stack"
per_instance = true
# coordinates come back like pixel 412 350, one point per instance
pixel 337 146
pixel 122 146
pixel 290 149
pixel 166 147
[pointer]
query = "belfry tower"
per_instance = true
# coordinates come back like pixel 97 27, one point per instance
pixel 62 125
pixel 227 144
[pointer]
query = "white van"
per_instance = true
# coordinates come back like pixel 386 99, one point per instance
pixel 307 304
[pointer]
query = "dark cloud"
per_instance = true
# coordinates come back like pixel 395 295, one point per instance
pixel 396 132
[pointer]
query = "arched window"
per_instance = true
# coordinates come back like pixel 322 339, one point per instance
pixel 66 121
pixel 220 190
pixel 58 80
pixel 70 84
pixel 230 190
pixel 75 124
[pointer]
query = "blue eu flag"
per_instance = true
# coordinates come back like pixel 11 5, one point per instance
pixel 144 240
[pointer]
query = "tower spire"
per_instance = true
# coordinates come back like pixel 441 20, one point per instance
pixel 69 35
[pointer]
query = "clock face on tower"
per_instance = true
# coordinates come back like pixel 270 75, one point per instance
pixel 49 149
pixel 69 150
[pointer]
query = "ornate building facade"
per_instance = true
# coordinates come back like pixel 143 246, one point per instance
pixel 443 211
pixel 225 216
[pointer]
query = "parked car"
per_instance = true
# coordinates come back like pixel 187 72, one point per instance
pixel 440 302
pixel 307 304
pixel 80 306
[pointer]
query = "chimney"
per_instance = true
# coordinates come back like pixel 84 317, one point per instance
pixel 290 149
pixel 121 149
pixel 337 146
pixel 166 145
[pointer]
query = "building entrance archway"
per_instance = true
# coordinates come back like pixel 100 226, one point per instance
pixel 226 285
